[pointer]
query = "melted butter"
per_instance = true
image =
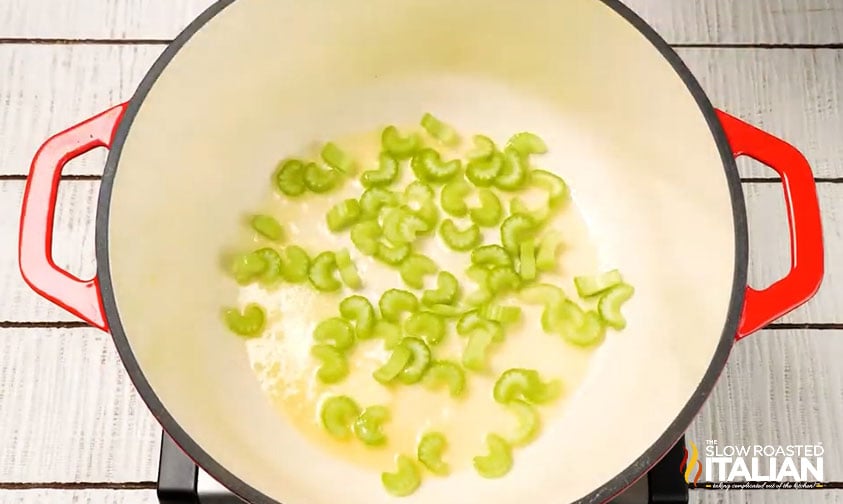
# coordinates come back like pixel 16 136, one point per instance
pixel 286 371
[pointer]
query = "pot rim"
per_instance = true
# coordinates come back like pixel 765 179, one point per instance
pixel 611 488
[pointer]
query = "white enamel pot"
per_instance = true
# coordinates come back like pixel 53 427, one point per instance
pixel 649 161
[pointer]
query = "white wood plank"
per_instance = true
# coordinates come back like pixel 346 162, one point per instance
pixel 78 497
pixel 792 94
pixel 81 19
pixel 68 411
pixel 780 388
pixel 743 21
pixel 46 89
pixel 74 247
pixel 678 21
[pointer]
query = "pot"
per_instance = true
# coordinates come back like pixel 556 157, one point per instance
pixel 650 163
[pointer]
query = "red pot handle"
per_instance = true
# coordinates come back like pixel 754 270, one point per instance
pixel 803 214
pixel 35 249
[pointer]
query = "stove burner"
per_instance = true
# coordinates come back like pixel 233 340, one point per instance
pixel 181 482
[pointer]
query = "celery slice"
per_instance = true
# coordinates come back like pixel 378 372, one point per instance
pixel 369 425
pixel 405 480
pixel 248 323
pixel 498 462
pixel 431 447
pixel 337 414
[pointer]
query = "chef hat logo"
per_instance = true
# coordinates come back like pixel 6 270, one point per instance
pixel 688 465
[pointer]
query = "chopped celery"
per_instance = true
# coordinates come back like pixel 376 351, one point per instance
pixel 431 328
pixel 576 326
pixel 474 355
pixel 348 271
pixel 542 294
pixel 337 159
pixel 429 166
pixel 503 279
pixel 458 239
pixel 415 268
pixel 268 227
pixel 447 291
pixel 557 189
pixel 498 462
pixel 500 314
pixel 359 310
pixel 400 358
pixel 490 211
pixel 430 451
pixel 322 273
pixel 369 425
pixel 343 215
pixel 517 206
pixel 274 266
pixel 336 331
pixel 296 264
pixel 491 256
pixel 248 323
pixel 419 362
pixel 439 130
pixel 527 143
pixel 445 310
pixel 484 148
pixel 548 248
pixel 453 197
pixel 389 332
pixel 247 268
pixel 394 302
pixel 400 225
pixel 610 304
pixel 375 198
pixel 514 230
pixel 366 236
pixel 483 172
pixel 529 422
pixel 473 322
pixel 514 173
pixel 387 173
pixel 289 177
pixel 392 254
pixel 400 147
pixel 405 480
pixel 320 180
pixel 446 372
pixel 525 384
pixel 338 413
pixel 593 285
pixel 334 367
pixel 421 199
pixel 527 268
pixel 589 333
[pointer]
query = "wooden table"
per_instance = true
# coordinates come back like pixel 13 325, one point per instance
pixel 72 429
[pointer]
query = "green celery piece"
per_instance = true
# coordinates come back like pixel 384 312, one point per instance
pixel 453 197
pixel 557 189
pixel 268 227
pixel 414 371
pixel 461 240
pixel 394 302
pixel 347 269
pixel 529 423
pixel 398 146
pixel 427 326
pixel 483 172
pixel 401 225
pixel 338 413
pixel 398 360
pixel 338 159
pixel 429 166
pixel 610 304
pixel 249 323
pixel 442 132
pixel 289 178
pixel 431 447
pixel 343 215
pixel 474 355
pixel 323 273
pixel 491 256
pixel 500 314
pixel 247 268
pixel 539 215
pixel 498 462
pixel 320 180
pixel 528 261
pixel 526 143
pixel 366 237
pixel 405 480
pixel 548 249
pixel 490 211
pixel 389 332
pixel 374 199
pixel 334 365
pixel 359 310
pixel 515 172
pixel 369 425
pixel 447 291
pixel 527 385
pixel 542 294
pixel 502 280
pixel 393 255
pixel 389 170
pixel 514 230
pixel 576 326
pixel 296 264
pixel 447 372
pixel 336 331
pixel 592 285
pixel 415 268
pixel 473 322
pixel 484 148
pixel 274 266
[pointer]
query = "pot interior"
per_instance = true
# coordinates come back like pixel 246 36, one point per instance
pixel 264 78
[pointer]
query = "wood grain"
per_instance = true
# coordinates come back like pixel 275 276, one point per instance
pixel 792 94
pixel 78 497
pixel 678 21
pixel 74 247
pixel 69 412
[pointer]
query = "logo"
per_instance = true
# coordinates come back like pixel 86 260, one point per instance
pixel 753 466
pixel 688 466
